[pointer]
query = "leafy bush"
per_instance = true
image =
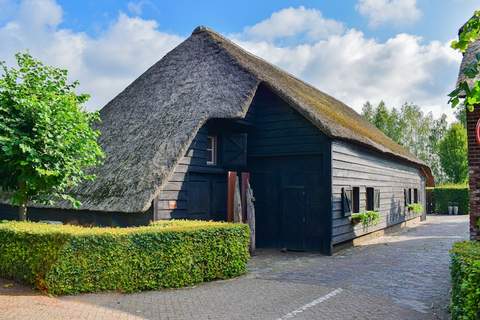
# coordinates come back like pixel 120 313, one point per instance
pixel 62 259
pixel 366 218
pixel 444 195
pixel 415 207
pixel 465 271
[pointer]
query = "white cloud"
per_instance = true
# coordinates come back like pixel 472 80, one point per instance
pixel 354 68
pixel 294 22
pixel 398 12
pixel 104 65
pixel 137 7
pixel 344 63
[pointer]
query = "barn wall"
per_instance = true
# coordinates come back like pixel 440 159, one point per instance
pixel 274 129
pixel 191 180
pixel 284 147
pixel 354 166
pixel 279 130
pixel 81 217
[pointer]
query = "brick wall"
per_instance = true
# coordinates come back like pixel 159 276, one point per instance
pixel 474 173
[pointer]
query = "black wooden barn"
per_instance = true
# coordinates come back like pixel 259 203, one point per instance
pixel 209 107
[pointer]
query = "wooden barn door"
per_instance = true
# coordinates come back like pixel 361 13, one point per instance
pixel 290 202
pixel 294 218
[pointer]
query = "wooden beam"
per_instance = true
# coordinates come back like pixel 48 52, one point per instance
pixel 244 186
pixel 232 177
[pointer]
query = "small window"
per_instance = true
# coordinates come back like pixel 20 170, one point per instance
pixel 356 200
pixel 405 196
pixel 212 150
pixel 415 195
pixel 370 199
pixel 410 196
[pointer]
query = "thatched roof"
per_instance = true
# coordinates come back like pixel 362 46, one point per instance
pixel 148 127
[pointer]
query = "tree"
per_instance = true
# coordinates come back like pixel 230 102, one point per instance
pixel 461 115
pixel 47 143
pixel 468 93
pixel 453 153
pixel 410 127
pixel 368 111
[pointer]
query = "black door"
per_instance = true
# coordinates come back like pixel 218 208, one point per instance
pixel 207 196
pixel 290 202
pixel 294 219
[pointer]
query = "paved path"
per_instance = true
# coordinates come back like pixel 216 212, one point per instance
pixel 402 276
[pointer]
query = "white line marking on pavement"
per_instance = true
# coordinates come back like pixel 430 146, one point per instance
pixel 311 304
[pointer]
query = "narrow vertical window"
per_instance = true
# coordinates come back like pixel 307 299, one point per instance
pixel 415 195
pixel 212 150
pixel 370 199
pixel 356 200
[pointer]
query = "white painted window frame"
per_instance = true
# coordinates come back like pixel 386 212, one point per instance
pixel 212 151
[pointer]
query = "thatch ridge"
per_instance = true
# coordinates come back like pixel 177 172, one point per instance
pixel 148 127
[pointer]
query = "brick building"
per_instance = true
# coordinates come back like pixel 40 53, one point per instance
pixel 473 150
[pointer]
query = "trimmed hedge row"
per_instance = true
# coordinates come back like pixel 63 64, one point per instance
pixel 444 195
pixel 465 271
pixel 63 259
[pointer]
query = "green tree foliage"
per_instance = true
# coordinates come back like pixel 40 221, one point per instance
pixel 420 133
pixel 468 93
pixel 387 121
pixel 461 116
pixel 453 153
pixel 46 138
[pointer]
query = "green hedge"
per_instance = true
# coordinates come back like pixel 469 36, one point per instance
pixel 63 259
pixel 443 195
pixel 465 271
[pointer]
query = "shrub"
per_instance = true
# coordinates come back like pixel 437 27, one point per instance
pixel 443 196
pixel 465 271
pixel 61 259
pixel 366 218
pixel 415 208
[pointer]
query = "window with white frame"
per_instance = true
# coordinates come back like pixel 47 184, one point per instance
pixel 212 150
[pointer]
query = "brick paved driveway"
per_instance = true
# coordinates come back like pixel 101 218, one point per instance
pixel 402 276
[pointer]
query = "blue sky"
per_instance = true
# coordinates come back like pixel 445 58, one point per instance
pixel 355 50
pixel 439 21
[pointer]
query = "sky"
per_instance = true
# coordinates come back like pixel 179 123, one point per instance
pixel 355 50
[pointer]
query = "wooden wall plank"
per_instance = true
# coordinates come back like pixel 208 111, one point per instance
pixel 356 166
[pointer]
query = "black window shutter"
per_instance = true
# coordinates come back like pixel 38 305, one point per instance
pixel 376 203
pixel 347 201
pixel 234 150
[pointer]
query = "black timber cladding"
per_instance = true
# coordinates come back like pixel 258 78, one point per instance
pixel 274 132
pixel 80 217
pixel 289 161
pixel 355 166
